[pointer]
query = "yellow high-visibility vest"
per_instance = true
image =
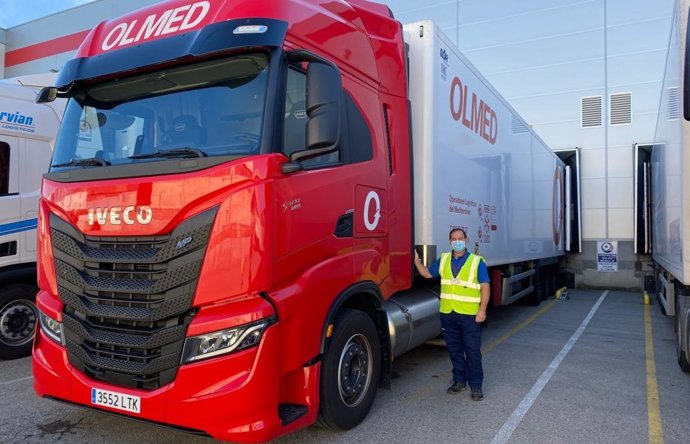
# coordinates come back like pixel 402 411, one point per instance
pixel 461 294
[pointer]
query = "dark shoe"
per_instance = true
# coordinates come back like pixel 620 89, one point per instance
pixel 456 388
pixel 477 394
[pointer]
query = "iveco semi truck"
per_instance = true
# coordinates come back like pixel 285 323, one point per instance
pixel 27 136
pixel 227 229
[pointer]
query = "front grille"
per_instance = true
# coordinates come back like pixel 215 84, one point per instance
pixel 128 300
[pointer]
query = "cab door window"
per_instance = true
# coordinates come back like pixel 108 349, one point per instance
pixel 356 143
pixel 4 169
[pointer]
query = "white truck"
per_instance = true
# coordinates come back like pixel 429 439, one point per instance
pixel 27 136
pixel 663 189
pixel 478 166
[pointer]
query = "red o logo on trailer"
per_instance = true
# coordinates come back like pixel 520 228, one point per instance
pixel 557 206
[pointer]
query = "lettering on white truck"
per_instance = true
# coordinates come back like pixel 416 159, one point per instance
pixel 479 118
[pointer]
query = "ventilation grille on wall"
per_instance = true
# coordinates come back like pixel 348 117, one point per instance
pixel 673 103
pixel 517 126
pixel 591 111
pixel 621 110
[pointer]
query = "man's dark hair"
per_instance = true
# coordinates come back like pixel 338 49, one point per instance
pixel 457 229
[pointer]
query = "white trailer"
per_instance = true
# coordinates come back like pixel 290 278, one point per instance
pixel 663 189
pixel 479 166
pixel 27 136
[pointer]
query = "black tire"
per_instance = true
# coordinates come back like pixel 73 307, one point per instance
pixel 680 354
pixel 355 349
pixel 18 320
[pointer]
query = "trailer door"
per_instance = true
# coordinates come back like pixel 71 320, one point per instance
pixel 573 221
pixel 643 196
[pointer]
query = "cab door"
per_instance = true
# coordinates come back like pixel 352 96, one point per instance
pixel 314 206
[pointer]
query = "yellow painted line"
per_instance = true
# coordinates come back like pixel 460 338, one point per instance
pixel 656 434
pixel 427 388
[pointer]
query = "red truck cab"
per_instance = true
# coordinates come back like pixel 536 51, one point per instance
pixel 227 210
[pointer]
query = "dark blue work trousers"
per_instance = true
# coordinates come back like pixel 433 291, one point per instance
pixel 464 340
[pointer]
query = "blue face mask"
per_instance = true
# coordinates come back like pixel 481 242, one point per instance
pixel 458 245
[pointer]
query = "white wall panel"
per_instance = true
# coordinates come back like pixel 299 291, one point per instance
pixel 621 223
pixel 593 163
pixel 620 163
pixel 620 193
pixel 593 193
pixel 593 224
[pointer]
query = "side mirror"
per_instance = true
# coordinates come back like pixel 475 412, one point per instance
pixel 47 94
pixel 324 94
pixel 324 109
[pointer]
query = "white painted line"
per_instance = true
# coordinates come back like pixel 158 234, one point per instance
pixel 512 423
pixel 16 380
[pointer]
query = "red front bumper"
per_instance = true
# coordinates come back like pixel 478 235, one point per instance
pixel 233 398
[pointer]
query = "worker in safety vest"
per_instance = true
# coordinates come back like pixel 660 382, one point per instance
pixel 464 298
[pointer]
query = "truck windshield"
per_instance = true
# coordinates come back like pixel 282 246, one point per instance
pixel 212 108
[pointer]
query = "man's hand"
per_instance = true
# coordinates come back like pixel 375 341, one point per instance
pixel 421 269
pixel 480 316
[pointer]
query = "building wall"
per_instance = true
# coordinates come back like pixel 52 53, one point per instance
pixel 3 45
pixel 34 38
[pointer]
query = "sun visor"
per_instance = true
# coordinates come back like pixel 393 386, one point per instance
pixel 216 37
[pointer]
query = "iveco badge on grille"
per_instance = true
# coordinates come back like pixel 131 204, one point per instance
pixel 128 215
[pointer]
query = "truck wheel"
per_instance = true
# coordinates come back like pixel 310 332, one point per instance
pixel 350 371
pixel 18 319
pixel 680 354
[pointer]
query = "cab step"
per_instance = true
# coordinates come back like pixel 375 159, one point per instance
pixel 291 412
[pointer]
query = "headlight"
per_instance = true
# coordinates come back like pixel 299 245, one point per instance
pixel 52 328
pixel 224 341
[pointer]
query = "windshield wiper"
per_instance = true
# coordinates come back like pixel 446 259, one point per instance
pixel 92 161
pixel 176 152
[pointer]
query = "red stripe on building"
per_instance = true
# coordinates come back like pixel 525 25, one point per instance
pixel 45 49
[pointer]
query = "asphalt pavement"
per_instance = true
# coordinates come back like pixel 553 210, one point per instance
pixel 568 371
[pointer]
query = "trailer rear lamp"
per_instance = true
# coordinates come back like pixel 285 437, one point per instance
pixel 224 341
pixel 52 328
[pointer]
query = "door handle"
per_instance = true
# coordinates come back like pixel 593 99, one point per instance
pixel 343 227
